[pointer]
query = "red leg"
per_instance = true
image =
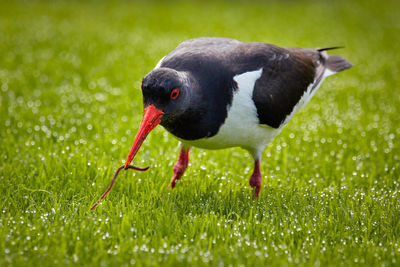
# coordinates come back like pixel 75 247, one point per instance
pixel 255 179
pixel 180 165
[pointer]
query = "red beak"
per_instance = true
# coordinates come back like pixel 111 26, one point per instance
pixel 151 118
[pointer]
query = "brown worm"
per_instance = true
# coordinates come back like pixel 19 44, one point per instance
pixel 113 180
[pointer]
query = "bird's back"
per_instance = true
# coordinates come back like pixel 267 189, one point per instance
pixel 290 76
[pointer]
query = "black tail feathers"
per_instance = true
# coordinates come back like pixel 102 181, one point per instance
pixel 334 63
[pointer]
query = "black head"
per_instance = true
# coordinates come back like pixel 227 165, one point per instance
pixel 166 96
pixel 168 90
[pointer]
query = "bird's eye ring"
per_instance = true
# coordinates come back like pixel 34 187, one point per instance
pixel 175 93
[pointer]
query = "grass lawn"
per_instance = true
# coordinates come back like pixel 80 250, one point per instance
pixel 70 108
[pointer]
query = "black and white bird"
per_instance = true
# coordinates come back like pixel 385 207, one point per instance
pixel 217 93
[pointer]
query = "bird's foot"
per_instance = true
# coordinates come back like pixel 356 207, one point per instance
pixel 180 166
pixel 255 180
pixel 179 170
pixel 173 181
pixel 255 183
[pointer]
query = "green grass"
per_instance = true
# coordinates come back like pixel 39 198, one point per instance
pixel 70 107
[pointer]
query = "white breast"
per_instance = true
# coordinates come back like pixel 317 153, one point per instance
pixel 241 127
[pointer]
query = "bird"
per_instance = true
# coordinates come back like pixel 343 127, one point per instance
pixel 216 93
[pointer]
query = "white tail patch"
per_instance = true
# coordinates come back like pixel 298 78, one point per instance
pixel 328 72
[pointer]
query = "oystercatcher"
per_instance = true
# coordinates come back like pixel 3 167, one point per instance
pixel 217 93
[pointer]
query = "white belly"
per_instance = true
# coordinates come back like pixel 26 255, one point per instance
pixel 253 138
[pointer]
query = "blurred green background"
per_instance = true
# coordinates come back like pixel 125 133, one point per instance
pixel 70 107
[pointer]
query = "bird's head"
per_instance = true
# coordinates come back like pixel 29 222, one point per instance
pixel 165 96
pixel 168 90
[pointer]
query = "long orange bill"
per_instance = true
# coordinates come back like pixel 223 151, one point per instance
pixel 152 117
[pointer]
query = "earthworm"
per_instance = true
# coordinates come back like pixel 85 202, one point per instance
pixel 113 180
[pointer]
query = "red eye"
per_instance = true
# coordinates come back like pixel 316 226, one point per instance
pixel 175 93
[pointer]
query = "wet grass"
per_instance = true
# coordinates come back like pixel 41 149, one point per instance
pixel 70 107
